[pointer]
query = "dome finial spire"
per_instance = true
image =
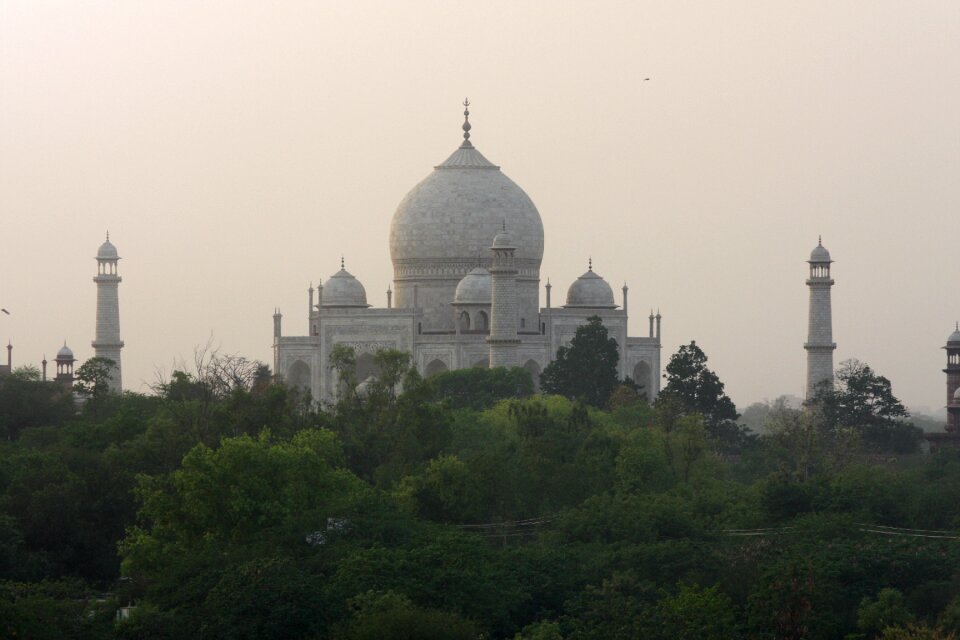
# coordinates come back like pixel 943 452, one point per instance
pixel 466 123
pixel 590 263
pixel 341 262
pixel 819 241
pixel 108 236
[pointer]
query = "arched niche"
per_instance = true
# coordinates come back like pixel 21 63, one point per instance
pixel 483 363
pixel 434 367
pixel 366 366
pixel 298 375
pixel 483 321
pixel 641 375
pixel 464 321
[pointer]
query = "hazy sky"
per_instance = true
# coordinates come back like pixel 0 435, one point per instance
pixel 235 149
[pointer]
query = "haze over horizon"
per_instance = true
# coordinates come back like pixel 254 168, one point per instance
pixel 236 150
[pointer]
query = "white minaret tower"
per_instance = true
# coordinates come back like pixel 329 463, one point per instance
pixel 820 344
pixel 503 339
pixel 107 344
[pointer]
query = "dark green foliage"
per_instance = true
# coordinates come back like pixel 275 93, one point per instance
pixel 587 369
pixel 392 615
pixel 26 401
pixel 93 378
pixel 53 611
pixel 264 598
pixel 695 613
pixel 863 401
pixel 242 510
pixel 479 388
pixel 887 610
pixel 697 389
pixel 386 436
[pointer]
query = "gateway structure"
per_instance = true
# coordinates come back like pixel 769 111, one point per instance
pixel 466 245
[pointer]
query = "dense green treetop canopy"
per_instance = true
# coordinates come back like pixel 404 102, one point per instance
pixel 586 369
pixel 863 401
pixel 241 509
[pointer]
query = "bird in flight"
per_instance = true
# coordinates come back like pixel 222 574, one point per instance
pixel 5 311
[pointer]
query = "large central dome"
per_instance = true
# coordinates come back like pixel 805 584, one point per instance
pixel 450 218
pixel 444 227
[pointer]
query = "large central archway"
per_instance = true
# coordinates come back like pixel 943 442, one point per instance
pixel 366 366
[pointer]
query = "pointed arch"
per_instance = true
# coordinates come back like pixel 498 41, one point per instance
pixel 641 375
pixel 483 320
pixel 464 321
pixel 298 375
pixel 366 366
pixel 434 367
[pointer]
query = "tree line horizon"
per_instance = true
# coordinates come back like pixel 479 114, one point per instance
pixel 465 505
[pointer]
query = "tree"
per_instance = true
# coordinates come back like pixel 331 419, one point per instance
pixel 392 365
pixel 393 615
pixel 93 378
pixel 246 500
pixel 915 632
pixel 264 598
pixel 695 613
pixel 225 373
pixel 343 360
pixel 685 445
pixel 888 610
pixel 586 369
pixel 699 390
pixel 864 401
pixel 26 402
pixel 478 388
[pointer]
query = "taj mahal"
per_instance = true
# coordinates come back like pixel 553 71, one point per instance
pixel 466 245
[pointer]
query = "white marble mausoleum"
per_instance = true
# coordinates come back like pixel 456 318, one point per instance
pixel 466 245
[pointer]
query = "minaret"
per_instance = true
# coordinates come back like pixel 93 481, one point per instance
pixel 503 339
pixel 277 320
pixel 953 381
pixel 107 343
pixel 820 344
pixel 310 310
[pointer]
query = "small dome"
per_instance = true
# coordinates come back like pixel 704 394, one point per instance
pixel 65 353
pixel 590 291
pixel 956 395
pixel 474 288
pixel 503 240
pixel 955 336
pixel 107 251
pixel 820 254
pixel 343 290
pixel 448 217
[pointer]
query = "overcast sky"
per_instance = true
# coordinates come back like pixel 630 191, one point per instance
pixel 235 150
